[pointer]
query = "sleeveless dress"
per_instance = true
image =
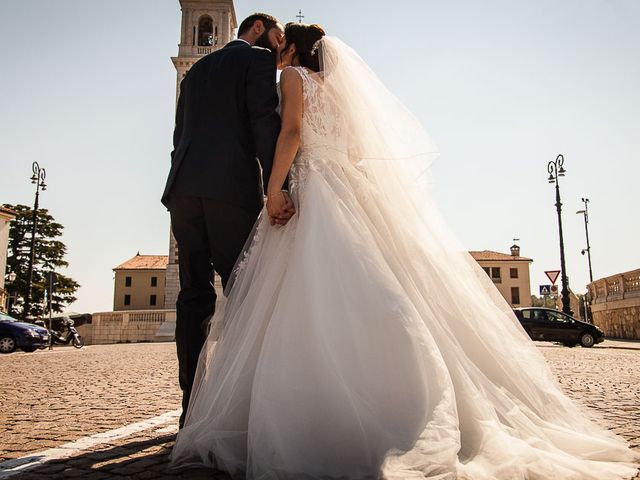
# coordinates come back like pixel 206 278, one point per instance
pixel 345 350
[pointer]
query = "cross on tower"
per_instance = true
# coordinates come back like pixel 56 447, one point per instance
pixel 299 16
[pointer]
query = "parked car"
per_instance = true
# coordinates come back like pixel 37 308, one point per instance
pixel 16 334
pixel 550 325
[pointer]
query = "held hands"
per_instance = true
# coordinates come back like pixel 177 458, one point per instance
pixel 280 207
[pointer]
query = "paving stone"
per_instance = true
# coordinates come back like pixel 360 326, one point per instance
pixel 117 385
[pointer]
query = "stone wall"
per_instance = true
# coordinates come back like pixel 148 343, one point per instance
pixel 129 327
pixel 615 304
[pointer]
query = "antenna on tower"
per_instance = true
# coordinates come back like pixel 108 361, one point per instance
pixel 300 16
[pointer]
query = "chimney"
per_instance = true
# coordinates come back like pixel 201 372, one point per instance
pixel 515 250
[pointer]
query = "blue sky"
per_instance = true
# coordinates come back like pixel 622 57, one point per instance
pixel 87 89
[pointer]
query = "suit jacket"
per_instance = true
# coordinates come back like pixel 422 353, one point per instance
pixel 226 121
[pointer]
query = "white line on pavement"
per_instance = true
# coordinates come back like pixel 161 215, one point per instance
pixel 12 467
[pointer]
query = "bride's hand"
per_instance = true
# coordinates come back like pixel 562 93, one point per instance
pixel 280 207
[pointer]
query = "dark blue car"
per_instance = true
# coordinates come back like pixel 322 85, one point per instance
pixel 26 336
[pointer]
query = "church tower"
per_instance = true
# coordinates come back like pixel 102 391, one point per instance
pixel 207 26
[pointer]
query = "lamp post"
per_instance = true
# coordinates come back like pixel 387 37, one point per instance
pixel 556 170
pixel 585 212
pixel 587 297
pixel 10 278
pixel 39 174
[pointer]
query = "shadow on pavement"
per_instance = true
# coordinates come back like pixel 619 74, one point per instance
pixel 136 459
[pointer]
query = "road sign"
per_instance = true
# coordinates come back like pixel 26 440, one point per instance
pixel 554 289
pixel 545 290
pixel 553 275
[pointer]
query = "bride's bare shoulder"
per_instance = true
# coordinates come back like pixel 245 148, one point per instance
pixel 291 80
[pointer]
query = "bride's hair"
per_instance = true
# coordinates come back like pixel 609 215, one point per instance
pixel 305 38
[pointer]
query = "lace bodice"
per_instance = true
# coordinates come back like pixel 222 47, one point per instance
pixel 321 140
pixel 320 125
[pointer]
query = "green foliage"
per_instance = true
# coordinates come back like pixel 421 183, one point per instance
pixel 548 301
pixel 49 256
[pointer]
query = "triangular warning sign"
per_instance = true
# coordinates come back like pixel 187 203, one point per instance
pixel 552 275
pixel 544 291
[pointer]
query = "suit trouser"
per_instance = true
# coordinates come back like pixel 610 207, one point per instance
pixel 210 236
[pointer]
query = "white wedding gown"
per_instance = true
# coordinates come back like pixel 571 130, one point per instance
pixel 356 345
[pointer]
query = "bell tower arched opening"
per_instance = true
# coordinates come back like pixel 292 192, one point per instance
pixel 205 31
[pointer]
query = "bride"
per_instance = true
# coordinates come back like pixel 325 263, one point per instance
pixel 360 341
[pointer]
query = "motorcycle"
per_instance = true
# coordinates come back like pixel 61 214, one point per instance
pixel 70 336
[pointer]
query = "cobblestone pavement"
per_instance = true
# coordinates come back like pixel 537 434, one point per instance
pixel 51 399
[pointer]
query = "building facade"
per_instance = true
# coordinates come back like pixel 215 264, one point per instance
pixel 207 26
pixel 6 216
pixel 509 273
pixel 140 283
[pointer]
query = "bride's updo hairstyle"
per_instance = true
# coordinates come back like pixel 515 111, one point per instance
pixel 305 38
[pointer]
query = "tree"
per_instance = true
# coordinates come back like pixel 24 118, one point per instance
pixel 543 301
pixel 49 256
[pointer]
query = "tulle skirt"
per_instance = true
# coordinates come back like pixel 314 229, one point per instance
pixel 350 347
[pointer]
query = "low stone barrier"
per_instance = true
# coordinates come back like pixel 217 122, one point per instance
pixel 615 304
pixel 129 327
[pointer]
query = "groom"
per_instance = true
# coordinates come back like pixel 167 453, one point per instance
pixel 226 130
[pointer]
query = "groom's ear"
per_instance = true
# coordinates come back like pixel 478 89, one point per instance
pixel 258 27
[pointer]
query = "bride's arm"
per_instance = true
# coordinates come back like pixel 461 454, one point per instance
pixel 289 138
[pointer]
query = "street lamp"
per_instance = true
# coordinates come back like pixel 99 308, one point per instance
pixel 556 170
pixel 39 174
pixel 10 278
pixel 585 212
pixel 587 297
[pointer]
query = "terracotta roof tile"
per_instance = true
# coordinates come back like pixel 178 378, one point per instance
pixel 145 262
pixel 8 211
pixel 497 256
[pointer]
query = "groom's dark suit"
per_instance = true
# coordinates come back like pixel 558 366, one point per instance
pixel 226 121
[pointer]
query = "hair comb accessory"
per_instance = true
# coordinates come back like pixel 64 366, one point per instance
pixel 315 46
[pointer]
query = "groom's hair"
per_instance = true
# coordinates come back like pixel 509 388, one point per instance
pixel 267 20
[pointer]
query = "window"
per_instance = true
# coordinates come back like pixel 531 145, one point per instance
pixel 152 300
pixel 515 295
pixel 487 270
pixel 557 317
pixel 154 281
pixel 540 315
pixel 127 281
pixel 534 315
pixel 513 272
pixel 127 299
pixel 495 274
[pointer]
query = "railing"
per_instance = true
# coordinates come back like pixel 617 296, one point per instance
pixel 615 287
pixel 108 319
pixel 133 317
pixel 632 283
pixel 146 317
pixel 197 50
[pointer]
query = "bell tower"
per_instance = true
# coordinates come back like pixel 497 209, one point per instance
pixel 207 26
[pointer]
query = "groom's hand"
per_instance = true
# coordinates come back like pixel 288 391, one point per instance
pixel 280 208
